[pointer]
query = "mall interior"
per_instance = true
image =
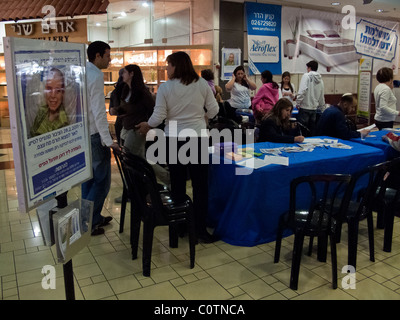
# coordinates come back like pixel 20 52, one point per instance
pixel 144 33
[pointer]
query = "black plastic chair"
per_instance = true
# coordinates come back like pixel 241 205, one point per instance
pixel 312 213
pixel 125 195
pixel 387 200
pixel 360 196
pixel 154 208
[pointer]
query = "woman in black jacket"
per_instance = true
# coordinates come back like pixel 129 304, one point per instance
pixel 275 125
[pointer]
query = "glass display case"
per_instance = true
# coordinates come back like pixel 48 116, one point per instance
pixel 151 61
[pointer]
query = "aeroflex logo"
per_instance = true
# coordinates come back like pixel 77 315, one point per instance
pixel 49 279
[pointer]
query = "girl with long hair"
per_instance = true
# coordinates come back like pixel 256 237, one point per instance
pixel 136 106
pixel 276 127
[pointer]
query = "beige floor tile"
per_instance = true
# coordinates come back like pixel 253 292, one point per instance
pixel 368 289
pixel 325 292
pixel 231 275
pixel 7 266
pixel 160 291
pixel 206 289
pixel 212 257
pixel 124 284
pixel 97 291
pixel 34 260
pixel 258 289
pixel 118 264
pixel 308 280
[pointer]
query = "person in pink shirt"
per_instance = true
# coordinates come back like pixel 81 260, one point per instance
pixel 266 97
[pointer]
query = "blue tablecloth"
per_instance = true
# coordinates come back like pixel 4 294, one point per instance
pixel 374 139
pixel 245 209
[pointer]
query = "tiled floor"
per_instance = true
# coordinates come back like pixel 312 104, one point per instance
pixel 104 270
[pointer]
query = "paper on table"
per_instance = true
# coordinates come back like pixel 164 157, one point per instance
pixel 277 160
pixel 253 163
pixel 256 163
pixel 368 128
pixel 313 140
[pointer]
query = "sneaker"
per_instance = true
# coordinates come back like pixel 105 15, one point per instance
pixel 97 231
pixel 106 221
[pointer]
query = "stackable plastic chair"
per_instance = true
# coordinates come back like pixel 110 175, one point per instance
pixel 387 199
pixel 154 208
pixel 312 213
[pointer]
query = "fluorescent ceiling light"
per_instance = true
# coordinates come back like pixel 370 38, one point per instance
pixel 335 3
pixel 145 4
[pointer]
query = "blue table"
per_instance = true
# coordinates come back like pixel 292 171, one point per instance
pixel 374 139
pixel 245 209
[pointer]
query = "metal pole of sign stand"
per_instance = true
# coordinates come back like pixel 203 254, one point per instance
pixel 67 267
pixel 69 280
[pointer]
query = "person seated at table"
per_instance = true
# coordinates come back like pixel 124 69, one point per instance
pixel 276 127
pixel 333 120
pixel 266 97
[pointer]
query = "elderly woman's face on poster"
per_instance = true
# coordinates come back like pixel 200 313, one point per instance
pixel 54 90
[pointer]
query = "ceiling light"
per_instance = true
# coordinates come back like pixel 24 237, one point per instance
pixel 123 14
pixel 335 3
pixel 379 10
pixel 98 24
pixel 145 4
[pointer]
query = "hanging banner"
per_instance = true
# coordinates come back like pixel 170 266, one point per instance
pixel 263 37
pixel 334 43
pixel 376 41
pixel 286 38
pixel 48 115
pixel 364 87
pixel 231 58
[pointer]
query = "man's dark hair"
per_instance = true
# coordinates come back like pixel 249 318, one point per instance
pixel 313 65
pixel 95 47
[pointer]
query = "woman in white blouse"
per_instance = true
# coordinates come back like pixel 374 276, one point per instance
pixel 385 100
pixel 239 86
pixel 184 101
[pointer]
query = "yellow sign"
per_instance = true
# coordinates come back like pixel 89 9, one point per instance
pixel 59 30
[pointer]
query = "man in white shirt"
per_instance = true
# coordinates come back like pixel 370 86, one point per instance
pixel 310 96
pixel 97 188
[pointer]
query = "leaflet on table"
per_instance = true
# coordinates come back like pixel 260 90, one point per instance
pixel 372 126
pixel 255 163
